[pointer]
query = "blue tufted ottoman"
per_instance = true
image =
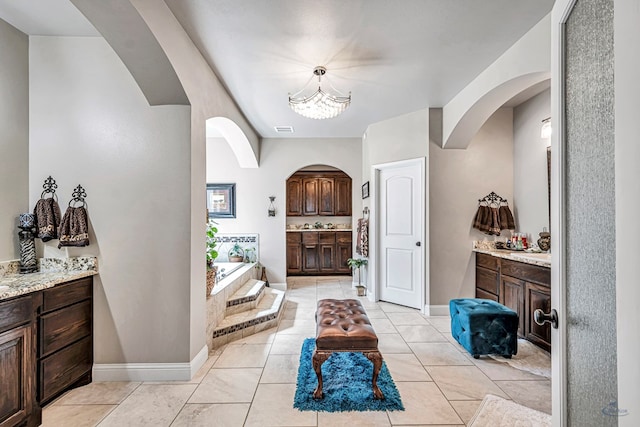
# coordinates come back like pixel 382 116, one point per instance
pixel 484 327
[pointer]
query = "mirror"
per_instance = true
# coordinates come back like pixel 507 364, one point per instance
pixel 549 182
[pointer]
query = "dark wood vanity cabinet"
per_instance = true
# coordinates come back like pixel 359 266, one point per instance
pixel 65 351
pixel 46 348
pixel 18 400
pixel 319 194
pixel 520 286
pixel 318 252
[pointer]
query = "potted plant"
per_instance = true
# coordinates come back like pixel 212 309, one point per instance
pixel 358 263
pixel 236 253
pixel 212 254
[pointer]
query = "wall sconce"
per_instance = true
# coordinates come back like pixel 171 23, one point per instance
pixel 545 130
pixel 272 209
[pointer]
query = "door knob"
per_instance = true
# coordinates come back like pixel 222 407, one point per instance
pixel 418 243
pixel 540 317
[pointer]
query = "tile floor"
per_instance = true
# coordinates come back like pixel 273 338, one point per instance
pixel 252 382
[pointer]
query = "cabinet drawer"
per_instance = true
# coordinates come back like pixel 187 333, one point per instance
pixel 327 237
pixel 487 261
pixel 15 312
pixel 343 237
pixel 528 272
pixel 61 328
pixel 294 237
pixel 487 280
pixel 62 369
pixel 67 294
pixel 310 237
pixel 486 295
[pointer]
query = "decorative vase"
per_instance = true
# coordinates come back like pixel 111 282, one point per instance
pixel 211 279
pixel 544 242
pixel 362 291
pixel 28 260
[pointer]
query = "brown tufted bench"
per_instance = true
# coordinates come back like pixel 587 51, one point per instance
pixel 343 325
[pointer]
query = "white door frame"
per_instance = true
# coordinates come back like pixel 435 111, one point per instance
pixel 374 250
pixel 559 15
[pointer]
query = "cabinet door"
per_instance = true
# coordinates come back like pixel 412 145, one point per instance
pixel 17 370
pixel 537 297
pixel 310 258
pixel 343 253
pixel 342 200
pixel 326 196
pixel 512 296
pixel 310 196
pixel 294 196
pixel 294 258
pixel 326 258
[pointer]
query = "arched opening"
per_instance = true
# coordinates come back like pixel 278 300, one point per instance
pixel 222 127
pixel 318 221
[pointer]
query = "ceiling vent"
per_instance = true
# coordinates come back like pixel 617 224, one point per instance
pixel 284 129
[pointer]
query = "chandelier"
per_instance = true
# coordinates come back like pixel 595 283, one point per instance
pixel 319 105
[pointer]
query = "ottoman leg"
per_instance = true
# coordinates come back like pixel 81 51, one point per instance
pixel 318 359
pixel 376 359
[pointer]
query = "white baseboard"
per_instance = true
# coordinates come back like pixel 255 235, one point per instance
pixel 150 371
pixel 436 310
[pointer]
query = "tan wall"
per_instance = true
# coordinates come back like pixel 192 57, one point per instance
pixel 91 125
pixel 457 179
pixel 14 136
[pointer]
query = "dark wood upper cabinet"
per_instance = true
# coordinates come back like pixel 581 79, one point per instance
pixel 319 194
pixel 294 196
pixel 342 203
pixel 310 196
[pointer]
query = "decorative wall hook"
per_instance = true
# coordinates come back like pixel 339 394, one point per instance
pixel 49 187
pixel 78 196
pixel 272 209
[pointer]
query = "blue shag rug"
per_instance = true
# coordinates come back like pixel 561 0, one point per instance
pixel 346 384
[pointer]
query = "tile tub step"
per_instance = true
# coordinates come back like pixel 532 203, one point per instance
pixel 241 325
pixel 246 298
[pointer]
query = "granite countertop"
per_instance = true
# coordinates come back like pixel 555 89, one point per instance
pixel 542 259
pixel 53 271
pixel 302 230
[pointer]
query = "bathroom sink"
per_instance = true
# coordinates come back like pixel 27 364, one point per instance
pixel 543 257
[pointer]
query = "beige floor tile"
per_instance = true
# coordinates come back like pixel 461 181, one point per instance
pixel 348 419
pixel 227 386
pixel 383 326
pixel 438 353
pixel 373 313
pixel 98 393
pixel 287 344
pixel 466 409
pixel 281 368
pixel 407 319
pixel 441 323
pixel 263 337
pixel 455 343
pixel 501 371
pixel 243 356
pixel 150 405
pixel 392 343
pixel 298 327
pixel 420 333
pixel 424 404
pixel 74 415
pixel 533 394
pixel 463 382
pixel 406 367
pixel 207 415
pixel 269 411
pixel 204 369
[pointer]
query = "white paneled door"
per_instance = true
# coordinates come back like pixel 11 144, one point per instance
pixel 401 233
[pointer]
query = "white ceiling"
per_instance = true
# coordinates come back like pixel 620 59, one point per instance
pixel 394 56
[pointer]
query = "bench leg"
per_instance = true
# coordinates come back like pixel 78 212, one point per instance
pixel 376 359
pixel 318 359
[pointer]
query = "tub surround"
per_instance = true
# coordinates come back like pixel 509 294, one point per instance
pixel 52 271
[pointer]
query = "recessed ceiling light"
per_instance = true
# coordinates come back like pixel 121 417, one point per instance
pixel 284 129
